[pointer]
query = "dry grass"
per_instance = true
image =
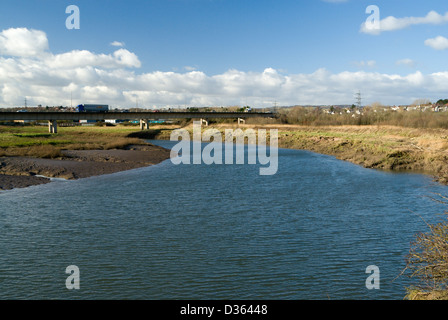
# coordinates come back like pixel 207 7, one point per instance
pixel 39 151
pixel 414 293
pixel 427 262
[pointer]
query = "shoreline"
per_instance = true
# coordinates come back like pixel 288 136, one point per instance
pixel 390 148
pixel 22 172
pixel 396 149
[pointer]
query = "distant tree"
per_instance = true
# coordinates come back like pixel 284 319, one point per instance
pixel 442 102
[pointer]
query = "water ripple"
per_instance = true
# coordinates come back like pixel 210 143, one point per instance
pixel 215 232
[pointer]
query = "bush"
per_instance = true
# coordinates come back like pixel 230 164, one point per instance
pixel 100 123
pixel 428 262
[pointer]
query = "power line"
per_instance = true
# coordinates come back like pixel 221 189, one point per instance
pixel 358 99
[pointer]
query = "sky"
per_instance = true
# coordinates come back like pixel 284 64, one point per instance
pixel 196 53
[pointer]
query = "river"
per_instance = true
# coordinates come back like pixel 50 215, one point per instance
pixel 216 232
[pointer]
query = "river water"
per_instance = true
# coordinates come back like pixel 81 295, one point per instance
pixel 216 232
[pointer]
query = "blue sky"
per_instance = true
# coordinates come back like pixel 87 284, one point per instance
pixel 222 52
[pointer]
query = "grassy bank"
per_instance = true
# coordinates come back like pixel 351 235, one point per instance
pixel 379 147
pixel 422 150
pixel 35 141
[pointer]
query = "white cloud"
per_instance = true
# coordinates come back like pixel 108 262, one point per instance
pixel 22 42
pixel 391 23
pixel 437 43
pixel 117 44
pixel 113 79
pixel 126 58
pixel 80 58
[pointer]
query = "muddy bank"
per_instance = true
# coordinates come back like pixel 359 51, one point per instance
pixel 8 182
pixel 19 172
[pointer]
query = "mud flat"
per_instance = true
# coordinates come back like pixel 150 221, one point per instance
pixel 20 172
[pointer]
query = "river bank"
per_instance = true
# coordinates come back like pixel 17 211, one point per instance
pixel 376 147
pixel 81 152
pixel 29 155
pixel 20 172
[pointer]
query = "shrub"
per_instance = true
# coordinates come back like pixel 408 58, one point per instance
pixel 428 262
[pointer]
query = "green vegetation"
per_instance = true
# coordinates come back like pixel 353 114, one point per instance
pixel 35 141
pixel 442 102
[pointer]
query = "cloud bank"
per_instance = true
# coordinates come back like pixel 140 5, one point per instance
pixel 28 69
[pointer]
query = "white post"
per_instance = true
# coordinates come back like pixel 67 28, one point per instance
pixel 52 126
